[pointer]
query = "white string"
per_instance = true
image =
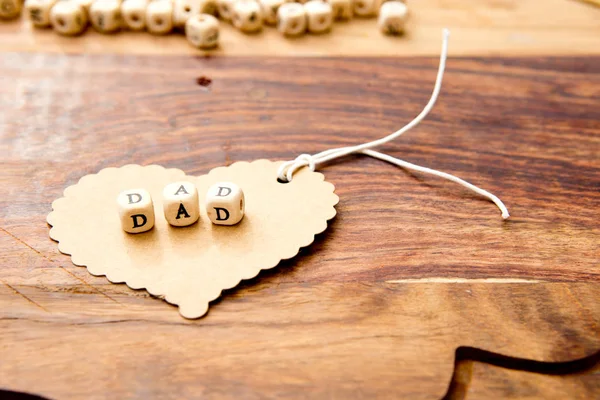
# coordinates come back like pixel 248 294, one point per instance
pixel 287 169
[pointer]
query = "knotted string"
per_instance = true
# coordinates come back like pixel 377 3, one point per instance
pixel 288 168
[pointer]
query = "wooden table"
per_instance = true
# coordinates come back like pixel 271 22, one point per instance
pixel 417 290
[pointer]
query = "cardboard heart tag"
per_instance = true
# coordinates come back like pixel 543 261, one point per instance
pixel 190 266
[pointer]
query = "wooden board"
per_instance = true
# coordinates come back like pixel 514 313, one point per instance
pixel 410 269
pixel 482 27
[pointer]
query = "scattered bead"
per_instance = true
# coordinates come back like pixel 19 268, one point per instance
pixel 341 9
pixel 105 15
pixel 133 13
pixel 392 17
pixel 68 18
pixel 269 10
pixel 225 9
pixel 291 19
pixel 202 31
pixel 39 12
pixel 159 17
pixel 365 8
pixel 247 16
pixel 10 9
pixel 319 16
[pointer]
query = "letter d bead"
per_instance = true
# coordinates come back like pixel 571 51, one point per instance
pixel 136 210
pixel 225 203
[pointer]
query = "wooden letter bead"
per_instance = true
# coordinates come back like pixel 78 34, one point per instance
pixel 180 203
pixel 202 31
pixel 225 8
pixel 319 16
pixel 392 17
pixel 136 210
pixel 341 9
pixel 291 19
pixel 133 13
pixel 39 12
pixel 105 15
pixel 10 9
pixel 225 203
pixel 159 17
pixel 366 8
pixel 247 16
pixel 269 10
pixel 68 18
pixel 184 9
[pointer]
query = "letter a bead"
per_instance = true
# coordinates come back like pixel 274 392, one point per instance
pixel 225 203
pixel 180 203
pixel 136 210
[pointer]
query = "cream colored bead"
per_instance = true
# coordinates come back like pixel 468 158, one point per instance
pixel 319 16
pixel 247 16
pixel 209 7
pixel 136 210
pixel 225 203
pixel 133 13
pixel 366 8
pixel 180 203
pixel 10 9
pixel 341 9
pixel 105 15
pixel 202 31
pixel 184 9
pixel 225 8
pixel 39 12
pixel 68 18
pixel 269 10
pixel 291 19
pixel 392 17
pixel 159 17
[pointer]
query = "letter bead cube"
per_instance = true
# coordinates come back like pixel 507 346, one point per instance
pixel 269 10
pixel 392 17
pixel 341 9
pixel 10 9
pixel 247 16
pixel 180 203
pixel 319 16
pixel 185 9
pixel 202 31
pixel 105 15
pixel 225 203
pixel 136 210
pixel 159 17
pixel 366 8
pixel 68 18
pixel 39 12
pixel 133 13
pixel 225 8
pixel 291 19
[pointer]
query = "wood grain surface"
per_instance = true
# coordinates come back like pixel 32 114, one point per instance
pixel 482 27
pixel 411 268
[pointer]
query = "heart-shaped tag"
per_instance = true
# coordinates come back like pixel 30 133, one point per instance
pixel 190 266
